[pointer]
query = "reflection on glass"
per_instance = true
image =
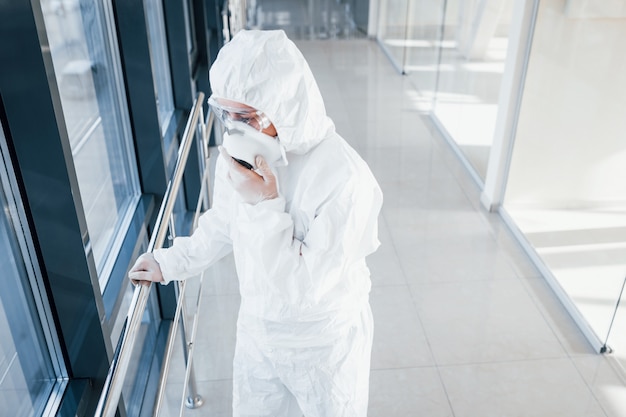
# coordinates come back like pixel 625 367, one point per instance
pixel 160 61
pixel 27 374
pixel 88 76
pixel 473 52
pixel 566 189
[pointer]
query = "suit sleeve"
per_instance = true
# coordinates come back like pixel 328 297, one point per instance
pixel 190 255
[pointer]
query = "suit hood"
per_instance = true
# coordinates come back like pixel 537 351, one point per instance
pixel 265 70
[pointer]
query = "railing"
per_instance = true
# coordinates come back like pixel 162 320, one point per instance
pixel 109 399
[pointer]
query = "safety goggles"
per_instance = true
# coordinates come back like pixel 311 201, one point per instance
pixel 227 111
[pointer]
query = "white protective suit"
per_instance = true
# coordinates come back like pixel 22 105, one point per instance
pixel 304 332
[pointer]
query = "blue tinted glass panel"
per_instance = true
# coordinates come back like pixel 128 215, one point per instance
pixel 86 65
pixel 27 375
pixel 160 61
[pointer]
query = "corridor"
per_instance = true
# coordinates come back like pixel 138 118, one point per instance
pixel 465 326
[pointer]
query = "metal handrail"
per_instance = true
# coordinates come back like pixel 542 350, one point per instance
pixel 111 392
pixel 193 400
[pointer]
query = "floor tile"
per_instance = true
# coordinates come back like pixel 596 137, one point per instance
pixel 407 392
pixel 399 340
pixel 542 388
pixel 483 321
pixel 215 340
pixel 559 320
pixel 216 400
pixel 440 264
pixel 384 264
pixel 606 382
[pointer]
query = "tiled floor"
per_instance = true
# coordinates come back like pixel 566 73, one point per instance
pixel 465 326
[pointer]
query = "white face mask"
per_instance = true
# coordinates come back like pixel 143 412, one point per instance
pixel 244 142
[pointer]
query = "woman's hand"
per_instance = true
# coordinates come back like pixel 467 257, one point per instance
pixel 145 270
pixel 253 186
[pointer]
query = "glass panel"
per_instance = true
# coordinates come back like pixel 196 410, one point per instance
pixel 90 165
pixel 392 29
pixel 82 46
pixel 29 365
pixel 470 73
pixel 566 189
pixel 160 61
pixel 423 48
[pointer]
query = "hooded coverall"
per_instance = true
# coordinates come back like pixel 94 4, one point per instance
pixel 304 330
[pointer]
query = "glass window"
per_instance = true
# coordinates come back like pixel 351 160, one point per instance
pixel 31 372
pixel 160 61
pixel 86 64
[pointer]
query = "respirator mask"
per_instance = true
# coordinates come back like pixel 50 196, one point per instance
pixel 243 136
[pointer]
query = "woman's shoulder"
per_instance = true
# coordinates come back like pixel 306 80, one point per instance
pixel 338 165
